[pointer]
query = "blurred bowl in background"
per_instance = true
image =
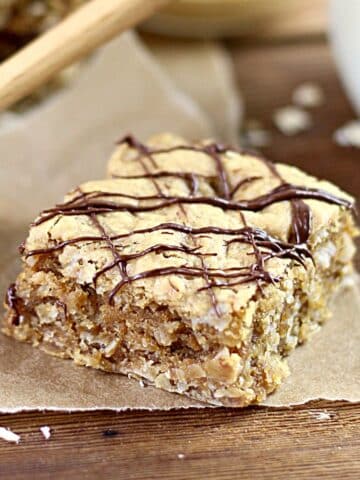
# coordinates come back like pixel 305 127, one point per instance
pixel 220 18
pixel 345 39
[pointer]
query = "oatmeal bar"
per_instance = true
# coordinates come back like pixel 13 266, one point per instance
pixel 195 267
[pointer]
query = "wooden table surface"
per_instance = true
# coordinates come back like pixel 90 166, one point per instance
pixel 254 443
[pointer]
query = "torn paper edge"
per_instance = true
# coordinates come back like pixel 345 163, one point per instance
pixel 167 409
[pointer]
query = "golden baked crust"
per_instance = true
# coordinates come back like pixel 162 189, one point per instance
pixel 195 267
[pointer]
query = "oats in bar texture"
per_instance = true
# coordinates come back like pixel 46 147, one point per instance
pixel 194 267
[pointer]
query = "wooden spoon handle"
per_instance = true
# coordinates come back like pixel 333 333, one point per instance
pixel 88 27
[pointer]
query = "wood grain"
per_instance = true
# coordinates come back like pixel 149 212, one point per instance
pixel 216 444
pixel 267 76
pixel 221 444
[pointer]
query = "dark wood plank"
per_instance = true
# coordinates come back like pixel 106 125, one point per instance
pixel 216 444
pixel 267 76
pixel 254 443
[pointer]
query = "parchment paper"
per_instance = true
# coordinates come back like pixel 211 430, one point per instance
pixel 190 64
pixel 68 140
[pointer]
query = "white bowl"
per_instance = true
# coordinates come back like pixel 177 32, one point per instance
pixel 345 39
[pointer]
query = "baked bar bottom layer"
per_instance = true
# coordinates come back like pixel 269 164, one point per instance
pixel 237 366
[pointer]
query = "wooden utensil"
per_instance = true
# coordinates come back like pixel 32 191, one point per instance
pixel 88 27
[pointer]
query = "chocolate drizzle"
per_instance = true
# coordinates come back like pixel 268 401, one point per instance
pixel 12 302
pixel 301 222
pixel 88 206
pixel 264 246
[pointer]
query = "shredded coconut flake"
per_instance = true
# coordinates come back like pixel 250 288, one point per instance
pixel 8 435
pixel 255 135
pixel 257 138
pixel 348 135
pixel 46 431
pixel 292 120
pixel 320 415
pixel 308 95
